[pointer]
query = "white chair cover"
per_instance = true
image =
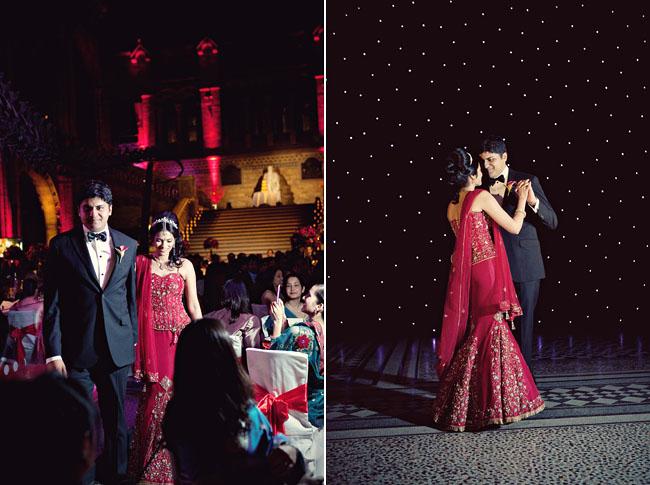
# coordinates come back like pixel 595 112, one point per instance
pixel 279 371
pixel 21 319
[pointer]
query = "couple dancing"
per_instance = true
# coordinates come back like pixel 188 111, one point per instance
pixel 485 378
pixel 96 294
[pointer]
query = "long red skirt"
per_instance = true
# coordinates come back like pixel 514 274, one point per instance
pixel 488 381
pixel 149 463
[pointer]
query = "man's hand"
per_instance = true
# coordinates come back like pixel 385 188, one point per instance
pixel 57 366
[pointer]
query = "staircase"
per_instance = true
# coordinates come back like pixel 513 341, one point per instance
pixel 252 230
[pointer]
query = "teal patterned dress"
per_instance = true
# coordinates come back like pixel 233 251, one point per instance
pixel 308 338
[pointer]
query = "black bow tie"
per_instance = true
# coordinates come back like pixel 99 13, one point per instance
pixel 500 178
pixel 96 235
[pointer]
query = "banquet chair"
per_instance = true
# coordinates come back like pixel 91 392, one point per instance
pixel 280 388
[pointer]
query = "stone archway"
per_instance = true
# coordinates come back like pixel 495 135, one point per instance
pixel 49 200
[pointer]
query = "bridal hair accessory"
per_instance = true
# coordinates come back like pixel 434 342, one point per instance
pixel 166 220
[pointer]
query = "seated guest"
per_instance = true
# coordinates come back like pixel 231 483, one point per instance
pixel 292 291
pixel 306 337
pixel 267 285
pixel 48 431
pixel 214 430
pixel 244 328
pixel 25 342
pixel 294 287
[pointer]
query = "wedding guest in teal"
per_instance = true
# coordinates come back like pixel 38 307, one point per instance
pixel 306 337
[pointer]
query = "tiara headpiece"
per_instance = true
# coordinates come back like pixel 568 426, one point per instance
pixel 165 220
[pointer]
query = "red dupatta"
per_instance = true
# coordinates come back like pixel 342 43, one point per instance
pixel 145 366
pixel 456 309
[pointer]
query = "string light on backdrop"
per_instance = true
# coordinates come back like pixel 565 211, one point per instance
pixel 561 81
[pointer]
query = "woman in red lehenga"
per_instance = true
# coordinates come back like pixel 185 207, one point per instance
pixel 484 379
pixel 162 279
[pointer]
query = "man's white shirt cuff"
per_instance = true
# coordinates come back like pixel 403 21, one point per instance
pixel 53 358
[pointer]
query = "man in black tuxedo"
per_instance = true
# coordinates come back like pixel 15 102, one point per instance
pixel 523 249
pixel 90 322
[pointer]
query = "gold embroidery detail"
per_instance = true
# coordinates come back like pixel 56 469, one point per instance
pixel 458 403
pixel 482 245
pixel 169 312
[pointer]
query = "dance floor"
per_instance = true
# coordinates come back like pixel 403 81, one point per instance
pixel 595 428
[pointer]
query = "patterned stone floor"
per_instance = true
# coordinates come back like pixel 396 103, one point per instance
pixel 595 428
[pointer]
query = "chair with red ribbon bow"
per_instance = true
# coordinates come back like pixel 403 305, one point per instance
pixel 24 345
pixel 280 388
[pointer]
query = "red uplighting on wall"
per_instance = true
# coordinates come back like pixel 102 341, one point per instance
pixel 320 97
pixel 144 114
pixel 66 201
pixel 318 34
pixel 146 134
pixel 139 54
pixel 6 220
pixel 214 168
pixel 211 116
pixel 207 47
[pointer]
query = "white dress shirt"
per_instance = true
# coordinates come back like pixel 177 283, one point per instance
pixel 102 258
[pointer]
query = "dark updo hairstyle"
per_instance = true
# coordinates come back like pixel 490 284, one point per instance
pixel 167 221
pixel 319 292
pixel 460 166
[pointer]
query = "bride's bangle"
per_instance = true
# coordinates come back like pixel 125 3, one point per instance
pixel 522 211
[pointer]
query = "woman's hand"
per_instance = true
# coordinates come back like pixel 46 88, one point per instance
pixel 277 312
pixel 522 188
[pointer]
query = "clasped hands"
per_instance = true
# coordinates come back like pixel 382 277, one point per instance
pixel 524 188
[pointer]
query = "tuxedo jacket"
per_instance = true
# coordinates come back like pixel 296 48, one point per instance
pixel 77 309
pixel 523 249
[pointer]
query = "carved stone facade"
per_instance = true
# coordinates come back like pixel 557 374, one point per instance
pixel 287 163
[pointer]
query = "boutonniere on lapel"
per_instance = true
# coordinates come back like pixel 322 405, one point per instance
pixel 510 185
pixel 121 251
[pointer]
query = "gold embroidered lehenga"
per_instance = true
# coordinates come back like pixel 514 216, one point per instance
pixel 161 317
pixel 484 379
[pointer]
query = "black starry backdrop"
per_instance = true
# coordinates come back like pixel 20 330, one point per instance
pixel 563 82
